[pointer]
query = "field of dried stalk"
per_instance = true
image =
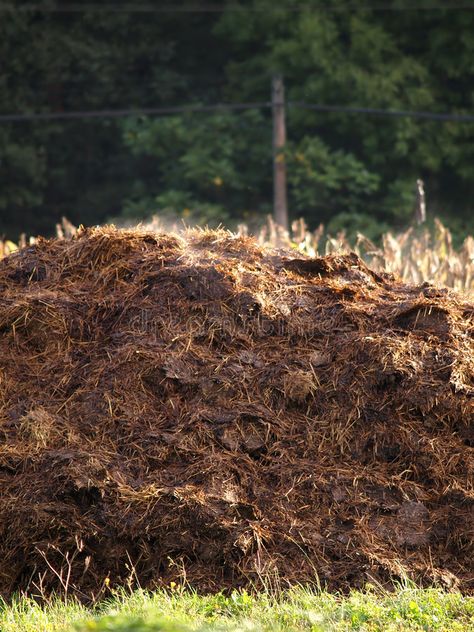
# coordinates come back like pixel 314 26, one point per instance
pixel 414 255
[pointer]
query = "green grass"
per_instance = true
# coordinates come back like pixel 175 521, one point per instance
pixel 177 610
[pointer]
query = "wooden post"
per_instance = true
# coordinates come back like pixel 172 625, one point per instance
pixel 280 205
pixel 420 209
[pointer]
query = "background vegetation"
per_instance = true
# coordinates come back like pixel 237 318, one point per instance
pixel 356 171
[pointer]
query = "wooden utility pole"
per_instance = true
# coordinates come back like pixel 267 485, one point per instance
pixel 420 209
pixel 280 205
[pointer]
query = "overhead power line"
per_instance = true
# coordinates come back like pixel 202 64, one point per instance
pixel 181 109
pixel 215 8
pixel 435 116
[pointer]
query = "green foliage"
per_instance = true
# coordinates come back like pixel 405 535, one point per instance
pixel 61 61
pixel 20 163
pixel 218 166
pixel 357 223
pixel 327 182
pixel 212 166
pixel 368 59
pixel 181 610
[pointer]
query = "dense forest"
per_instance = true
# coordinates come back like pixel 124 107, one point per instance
pixel 356 171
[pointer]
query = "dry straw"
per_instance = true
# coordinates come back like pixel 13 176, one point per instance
pixel 202 406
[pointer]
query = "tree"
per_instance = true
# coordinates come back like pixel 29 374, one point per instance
pixel 357 171
pixel 55 61
pixel 342 166
pixel 206 168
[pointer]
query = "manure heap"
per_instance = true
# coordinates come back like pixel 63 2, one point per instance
pixel 199 407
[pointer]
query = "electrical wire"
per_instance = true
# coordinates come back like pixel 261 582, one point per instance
pixel 434 116
pixel 179 109
pixel 212 8
pixel 182 109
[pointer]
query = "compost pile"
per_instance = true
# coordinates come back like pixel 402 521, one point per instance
pixel 200 408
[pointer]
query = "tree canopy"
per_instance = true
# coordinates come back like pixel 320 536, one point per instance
pixel 346 170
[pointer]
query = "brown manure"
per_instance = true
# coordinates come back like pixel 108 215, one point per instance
pixel 201 408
